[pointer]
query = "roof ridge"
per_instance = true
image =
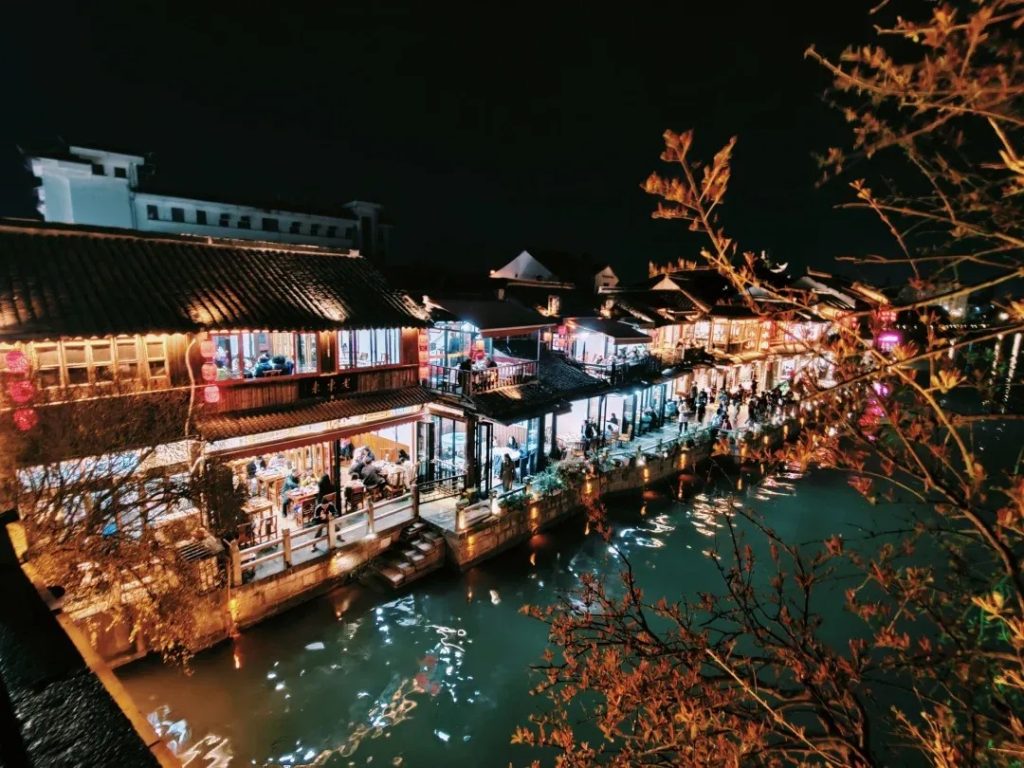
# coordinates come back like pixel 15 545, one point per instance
pixel 35 226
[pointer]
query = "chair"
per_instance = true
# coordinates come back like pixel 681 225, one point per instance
pixel 626 434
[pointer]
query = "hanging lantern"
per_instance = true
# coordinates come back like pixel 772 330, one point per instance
pixel 207 348
pixel 25 419
pixel 211 394
pixel 209 372
pixel 20 390
pixel 16 361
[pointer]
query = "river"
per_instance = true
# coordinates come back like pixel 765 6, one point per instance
pixel 439 675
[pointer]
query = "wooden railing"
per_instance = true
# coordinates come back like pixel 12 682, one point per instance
pixel 461 382
pixel 282 552
pixel 622 371
pixel 442 488
pixel 239 395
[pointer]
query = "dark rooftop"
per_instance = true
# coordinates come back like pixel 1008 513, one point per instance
pixel 67 281
pixel 494 317
pixel 222 426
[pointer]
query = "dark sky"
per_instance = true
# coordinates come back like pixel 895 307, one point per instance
pixel 485 128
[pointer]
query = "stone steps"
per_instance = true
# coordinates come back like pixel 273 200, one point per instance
pixel 418 551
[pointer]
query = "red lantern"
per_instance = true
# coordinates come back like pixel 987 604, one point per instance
pixel 207 348
pixel 211 394
pixel 209 372
pixel 25 418
pixel 20 390
pixel 16 361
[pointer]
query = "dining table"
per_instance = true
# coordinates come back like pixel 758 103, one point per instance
pixel 300 501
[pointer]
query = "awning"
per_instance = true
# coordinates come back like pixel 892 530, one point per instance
pixel 492 317
pixel 620 333
pixel 322 420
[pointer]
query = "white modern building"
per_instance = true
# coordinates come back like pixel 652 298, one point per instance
pixel 83 185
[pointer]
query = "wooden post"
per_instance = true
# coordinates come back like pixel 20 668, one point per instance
pixel 414 490
pixel 286 544
pixel 236 564
pixel 370 525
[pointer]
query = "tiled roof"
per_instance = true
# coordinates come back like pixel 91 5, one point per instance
pixel 621 332
pixel 222 426
pixel 489 315
pixel 59 280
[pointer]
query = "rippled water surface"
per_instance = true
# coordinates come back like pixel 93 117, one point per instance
pixel 438 675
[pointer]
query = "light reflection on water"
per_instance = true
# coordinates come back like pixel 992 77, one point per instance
pixel 439 675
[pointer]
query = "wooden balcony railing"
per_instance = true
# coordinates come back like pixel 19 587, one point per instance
pixel 285 390
pixel 461 382
pixel 622 371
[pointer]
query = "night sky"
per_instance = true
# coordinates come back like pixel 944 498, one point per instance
pixel 484 128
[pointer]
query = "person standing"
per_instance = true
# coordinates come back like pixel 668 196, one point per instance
pixel 508 473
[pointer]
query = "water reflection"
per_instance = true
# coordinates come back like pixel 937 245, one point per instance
pixel 437 676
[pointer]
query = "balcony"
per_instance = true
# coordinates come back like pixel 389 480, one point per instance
pixel 456 381
pixel 246 394
pixel 623 371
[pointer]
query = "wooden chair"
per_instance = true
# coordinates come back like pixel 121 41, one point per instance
pixel 626 434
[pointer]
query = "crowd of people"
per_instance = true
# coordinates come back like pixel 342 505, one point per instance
pixel 720 409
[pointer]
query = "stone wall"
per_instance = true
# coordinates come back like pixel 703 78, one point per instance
pixel 496 533
pixel 219 614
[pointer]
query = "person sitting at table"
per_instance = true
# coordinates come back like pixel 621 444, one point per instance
pixel 346 448
pixel 263 464
pixel 371 479
pixel 324 488
pixel 512 443
pixel 263 364
pixel 356 470
pixel 403 456
pixel 283 364
pixel 291 483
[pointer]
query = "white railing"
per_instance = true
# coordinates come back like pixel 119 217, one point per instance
pixel 334 533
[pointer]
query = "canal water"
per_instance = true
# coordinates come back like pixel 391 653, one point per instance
pixel 439 675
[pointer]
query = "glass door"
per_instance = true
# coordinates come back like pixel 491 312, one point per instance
pixel 424 450
pixel 484 456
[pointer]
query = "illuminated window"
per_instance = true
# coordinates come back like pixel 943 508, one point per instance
pixel 369 348
pixel 95 362
pixel 305 353
pixel 262 354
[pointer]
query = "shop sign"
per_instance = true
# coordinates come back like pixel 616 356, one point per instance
pixel 329 387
